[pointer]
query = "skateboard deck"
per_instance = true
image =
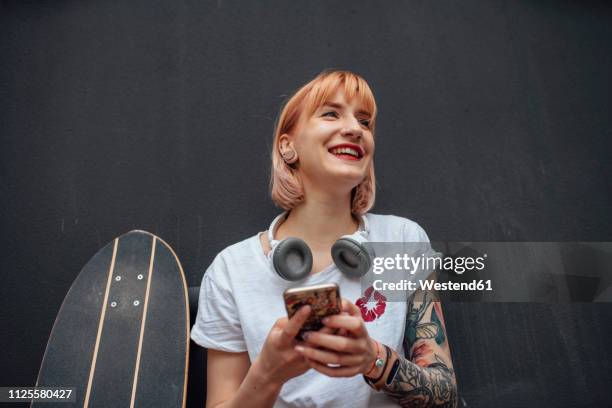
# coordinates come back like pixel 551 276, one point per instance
pixel 121 337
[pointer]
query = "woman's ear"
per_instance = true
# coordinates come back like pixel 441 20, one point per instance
pixel 286 149
pixel 284 142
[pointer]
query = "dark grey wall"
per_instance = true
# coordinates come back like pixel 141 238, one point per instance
pixel 494 125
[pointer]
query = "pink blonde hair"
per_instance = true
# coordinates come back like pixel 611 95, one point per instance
pixel 286 188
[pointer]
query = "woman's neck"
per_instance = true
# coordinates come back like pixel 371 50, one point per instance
pixel 320 220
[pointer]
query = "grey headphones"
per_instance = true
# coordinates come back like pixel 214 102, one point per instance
pixel 292 259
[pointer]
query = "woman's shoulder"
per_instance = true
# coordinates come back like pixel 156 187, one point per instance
pixel 233 257
pixel 241 248
pixel 406 229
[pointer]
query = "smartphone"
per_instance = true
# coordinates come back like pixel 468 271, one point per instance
pixel 323 299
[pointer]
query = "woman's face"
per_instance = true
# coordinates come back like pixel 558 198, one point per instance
pixel 335 145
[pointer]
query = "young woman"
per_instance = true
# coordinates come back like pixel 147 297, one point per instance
pixel 323 177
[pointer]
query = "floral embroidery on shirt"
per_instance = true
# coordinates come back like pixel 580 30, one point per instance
pixel 372 304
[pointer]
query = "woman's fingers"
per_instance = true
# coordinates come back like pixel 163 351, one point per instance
pixel 350 308
pixel 349 323
pixel 293 325
pixel 328 357
pixel 327 330
pixel 333 342
pixel 334 371
pixel 342 332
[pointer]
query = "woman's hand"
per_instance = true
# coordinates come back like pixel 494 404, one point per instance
pixel 278 360
pixel 351 351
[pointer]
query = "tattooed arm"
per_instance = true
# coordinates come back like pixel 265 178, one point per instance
pixel 426 378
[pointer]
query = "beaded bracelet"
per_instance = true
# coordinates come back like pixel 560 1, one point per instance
pixel 371 381
pixel 377 362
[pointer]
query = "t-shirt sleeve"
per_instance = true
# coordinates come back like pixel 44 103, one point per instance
pixel 217 324
pixel 418 243
pixel 413 232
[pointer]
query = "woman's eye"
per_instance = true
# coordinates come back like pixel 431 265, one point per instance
pixel 331 114
pixel 365 122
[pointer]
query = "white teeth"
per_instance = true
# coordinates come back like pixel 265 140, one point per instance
pixel 345 150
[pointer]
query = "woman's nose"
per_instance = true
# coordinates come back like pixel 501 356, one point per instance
pixel 352 128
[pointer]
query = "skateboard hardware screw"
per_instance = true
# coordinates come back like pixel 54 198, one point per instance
pixel 118 278
pixel 136 303
pixel 113 304
pixel 140 277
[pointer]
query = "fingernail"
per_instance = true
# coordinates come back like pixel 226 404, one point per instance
pixel 325 320
pixel 299 349
pixel 306 335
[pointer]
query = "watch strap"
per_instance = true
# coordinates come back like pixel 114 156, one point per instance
pixel 393 372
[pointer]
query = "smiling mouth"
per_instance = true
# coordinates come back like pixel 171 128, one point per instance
pixel 346 153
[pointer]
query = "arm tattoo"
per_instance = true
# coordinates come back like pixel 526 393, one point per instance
pixel 416 330
pixel 426 384
pixel 431 386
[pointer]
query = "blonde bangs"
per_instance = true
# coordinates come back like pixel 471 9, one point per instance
pixel 352 85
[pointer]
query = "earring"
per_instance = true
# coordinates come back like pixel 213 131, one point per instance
pixel 289 156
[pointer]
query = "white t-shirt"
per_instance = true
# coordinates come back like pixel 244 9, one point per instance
pixel 241 297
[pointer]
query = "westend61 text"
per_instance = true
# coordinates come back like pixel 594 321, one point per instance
pixel 432 285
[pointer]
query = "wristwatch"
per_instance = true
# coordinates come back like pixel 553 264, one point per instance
pixel 393 372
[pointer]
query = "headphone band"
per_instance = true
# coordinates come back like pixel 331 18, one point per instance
pixel 364 225
pixel 272 228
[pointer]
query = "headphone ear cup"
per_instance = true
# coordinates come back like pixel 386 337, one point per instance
pixel 292 259
pixel 351 257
